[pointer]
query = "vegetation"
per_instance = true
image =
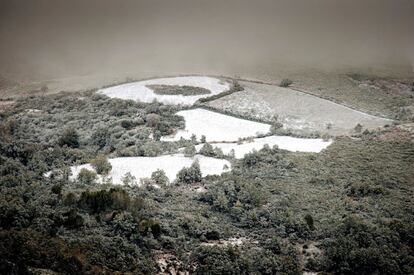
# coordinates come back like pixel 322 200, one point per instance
pixel 285 83
pixel 190 151
pixel 235 87
pixel 86 176
pixel 191 174
pixel 159 177
pixel 352 202
pixel 178 90
pixel 101 165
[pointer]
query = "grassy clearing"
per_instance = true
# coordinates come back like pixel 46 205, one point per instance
pixel 299 113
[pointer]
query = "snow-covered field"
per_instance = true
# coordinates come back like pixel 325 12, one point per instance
pixel 142 167
pixel 283 142
pixel 217 127
pixel 140 92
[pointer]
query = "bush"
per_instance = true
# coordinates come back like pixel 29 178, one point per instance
pixel 190 151
pixel 101 165
pixel 98 201
pixel 285 83
pixel 358 128
pixel 191 174
pixel 207 150
pixel 309 222
pixel 100 137
pixel 127 124
pixel 236 86
pixel 219 260
pixel 159 177
pixel 362 189
pixel 69 138
pixel 153 120
pixel 86 176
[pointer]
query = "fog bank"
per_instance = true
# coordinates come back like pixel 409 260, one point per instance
pixel 46 38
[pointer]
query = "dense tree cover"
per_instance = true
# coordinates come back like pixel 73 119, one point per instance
pixel 352 202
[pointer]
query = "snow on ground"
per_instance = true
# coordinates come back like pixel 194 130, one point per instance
pixel 216 127
pixel 142 167
pixel 283 142
pixel 139 92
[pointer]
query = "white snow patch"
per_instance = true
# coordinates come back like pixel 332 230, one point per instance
pixel 283 142
pixel 142 167
pixel 139 92
pixel 216 127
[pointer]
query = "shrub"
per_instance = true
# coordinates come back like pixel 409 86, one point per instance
pixel 153 120
pixel 73 219
pixel 358 128
pixel 69 198
pixel 236 86
pixel 69 138
pixel 191 174
pixel 145 226
pixel 102 200
pixel 150 149
pixel 309 221
pixel 100 137
pixel 207 150
pixel 86 176
pixel 57 189
pixel 276 125
pixel 219 260
pixel 129 179
pixel 362 189
pixel 159 177
pixel 101 165
pixel 190 151
pixel 44 89
pixel 285 83
pixel 127 124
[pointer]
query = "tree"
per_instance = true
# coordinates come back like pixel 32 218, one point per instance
pixel 191 174
pixel 159 177
pixel 101 165
pixel 203 139
pixel 69 138
pixel 207 150
pixel 190 151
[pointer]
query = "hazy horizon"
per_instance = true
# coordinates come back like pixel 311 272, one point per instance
pixel 61 38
